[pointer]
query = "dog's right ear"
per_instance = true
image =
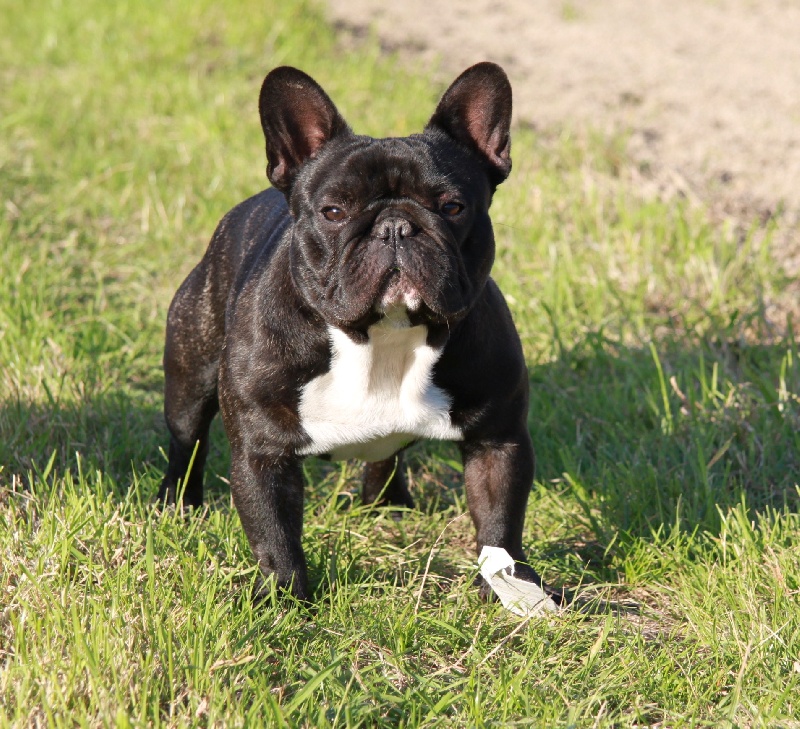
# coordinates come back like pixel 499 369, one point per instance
pixel 298 118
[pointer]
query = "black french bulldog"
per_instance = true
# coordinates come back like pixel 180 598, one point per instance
pixel 347 312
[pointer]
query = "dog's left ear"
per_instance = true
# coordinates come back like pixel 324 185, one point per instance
pixel 298 118
pixel 476 111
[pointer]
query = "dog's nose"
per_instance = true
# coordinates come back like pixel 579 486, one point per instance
pixel 394 230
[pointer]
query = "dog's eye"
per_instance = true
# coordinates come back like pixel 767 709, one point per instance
pixel 452 208
pixel 333 213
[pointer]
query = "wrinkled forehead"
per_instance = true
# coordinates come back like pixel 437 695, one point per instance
pixel 361 168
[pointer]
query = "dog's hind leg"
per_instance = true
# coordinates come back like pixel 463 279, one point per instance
pixel 385 483
pixel 191 361
pixel 189 407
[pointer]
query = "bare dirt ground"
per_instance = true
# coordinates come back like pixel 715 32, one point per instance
pixel 709 90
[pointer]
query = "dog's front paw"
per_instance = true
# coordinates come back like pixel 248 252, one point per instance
pixel 268 589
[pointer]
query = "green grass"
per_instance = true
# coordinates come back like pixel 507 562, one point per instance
pixel 664 411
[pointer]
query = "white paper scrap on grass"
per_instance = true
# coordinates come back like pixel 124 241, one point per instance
pixel 521 597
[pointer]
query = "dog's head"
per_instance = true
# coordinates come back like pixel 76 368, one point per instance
pixel 388 222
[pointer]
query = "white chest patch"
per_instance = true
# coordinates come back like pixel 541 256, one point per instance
pixel 377 396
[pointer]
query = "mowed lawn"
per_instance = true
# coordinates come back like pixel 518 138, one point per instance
pixel 664 412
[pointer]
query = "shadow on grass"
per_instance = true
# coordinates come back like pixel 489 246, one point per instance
pixel 669 435
pixel 643 437
pixel 119 434
pixel 637 440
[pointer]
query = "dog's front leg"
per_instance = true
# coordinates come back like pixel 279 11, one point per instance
pixel 268 493
pixel 498 475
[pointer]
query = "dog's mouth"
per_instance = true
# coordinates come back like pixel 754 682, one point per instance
pixel 395 295
pixel 401 302
pixel 398 291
